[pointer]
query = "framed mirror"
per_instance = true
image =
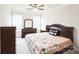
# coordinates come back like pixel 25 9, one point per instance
pixel 28 23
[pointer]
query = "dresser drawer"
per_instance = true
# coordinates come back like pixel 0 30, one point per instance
pixel 28 31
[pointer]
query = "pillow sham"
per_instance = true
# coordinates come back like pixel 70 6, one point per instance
pixel 54 32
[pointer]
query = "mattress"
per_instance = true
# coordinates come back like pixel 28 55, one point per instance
pixel 44 43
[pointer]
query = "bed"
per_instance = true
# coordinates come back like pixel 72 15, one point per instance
pixel 56 39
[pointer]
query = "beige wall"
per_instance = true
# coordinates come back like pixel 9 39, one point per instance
pixel 68 15
pixel 5 15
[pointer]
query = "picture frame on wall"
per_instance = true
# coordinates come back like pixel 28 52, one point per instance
pixel 28 23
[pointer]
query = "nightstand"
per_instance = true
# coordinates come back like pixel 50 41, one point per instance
pixel 26 31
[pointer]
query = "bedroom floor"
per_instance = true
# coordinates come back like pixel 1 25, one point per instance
pixel 21 47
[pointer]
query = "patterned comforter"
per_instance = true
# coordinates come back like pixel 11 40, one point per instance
pixel 44 43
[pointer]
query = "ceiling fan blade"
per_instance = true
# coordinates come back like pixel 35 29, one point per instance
pixel 41 5
pixel 31 5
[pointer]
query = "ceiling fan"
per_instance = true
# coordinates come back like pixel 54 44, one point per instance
pixel 36 6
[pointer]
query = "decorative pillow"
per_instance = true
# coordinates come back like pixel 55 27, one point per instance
pixel 54 32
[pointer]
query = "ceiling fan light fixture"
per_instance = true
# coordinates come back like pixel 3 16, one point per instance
pixel 36 7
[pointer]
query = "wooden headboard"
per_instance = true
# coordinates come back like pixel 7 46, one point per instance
pixel 64 30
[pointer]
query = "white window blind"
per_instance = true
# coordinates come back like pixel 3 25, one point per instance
pixel 17 20
pixel 37 22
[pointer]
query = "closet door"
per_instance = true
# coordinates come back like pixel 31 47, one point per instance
pixel 8 40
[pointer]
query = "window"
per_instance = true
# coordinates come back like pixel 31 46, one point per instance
pixel 17 21
pixel 37 22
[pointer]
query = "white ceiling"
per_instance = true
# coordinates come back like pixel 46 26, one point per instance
pixel 21 8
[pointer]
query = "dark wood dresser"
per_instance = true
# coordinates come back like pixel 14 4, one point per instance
pixel 7 38
pixel 28 31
